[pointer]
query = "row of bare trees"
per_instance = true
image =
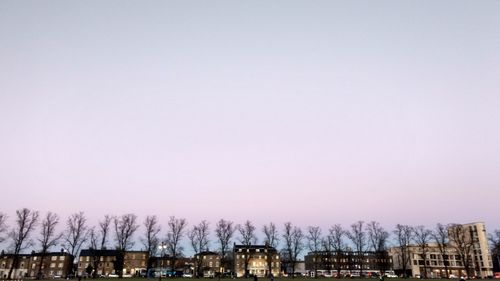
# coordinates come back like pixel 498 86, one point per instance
pixel 359 238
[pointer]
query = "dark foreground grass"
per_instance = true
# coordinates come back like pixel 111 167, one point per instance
pixel 235 279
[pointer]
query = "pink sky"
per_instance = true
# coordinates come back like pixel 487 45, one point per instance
pixel 316 113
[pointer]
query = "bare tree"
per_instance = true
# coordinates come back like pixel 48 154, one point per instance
pixel 294 244
pixel 271 240
pixel 3 226
pixel 248 238
pixel 93 239
pixel 422 237
pixel 358 237
pixel 75 235
pixel 335 243
pixel 247 232
pixel 48 238
pixel 104 226
pixel 97 240
pixel 314 244
pixel 198 236
pixel 224 230
pixel 440 236
pixel 125 227
pixel 174 236
pixel 404 236
pixel 495 245
pixel 463 243
pixel 151 241
pixel 26 221
pixel 378 237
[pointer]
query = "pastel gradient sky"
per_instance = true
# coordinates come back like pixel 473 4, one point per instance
pixel 315 112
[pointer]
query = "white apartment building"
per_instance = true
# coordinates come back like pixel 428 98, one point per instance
pixel 480 261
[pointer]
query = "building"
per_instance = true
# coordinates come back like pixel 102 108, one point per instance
pixel 135 262
pixel 206 264
pixel 467 244
pixel 435 262
pixel 481 264
pixel 299 268
pixel 259 260
pixel 97 262
pixel 19 271
pixel 50 265
pixel 53 264
pixel 108 262
pixel 347 263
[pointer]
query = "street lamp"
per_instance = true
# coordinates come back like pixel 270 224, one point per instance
pixel 162 248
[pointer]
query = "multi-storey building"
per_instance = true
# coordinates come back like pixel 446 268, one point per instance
pixel 480 257
pixel 470 245
pixel 258 260
pixel 19 271
pixel 135 262
pixel 347 263
pixel 99 262
pixel 107 262
pixel 50 265
pixel 435 263
pixel 53 264
pixel 206 264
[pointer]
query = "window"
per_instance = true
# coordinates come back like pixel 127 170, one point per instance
pixel 61 258
pixel 52 265
pixel 53 258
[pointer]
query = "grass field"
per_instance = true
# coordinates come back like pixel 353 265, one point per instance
pixel 236 279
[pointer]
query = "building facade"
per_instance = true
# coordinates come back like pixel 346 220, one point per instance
pixel 435 261
pixel 112 262
pixel 347 263
pixel 470 245
pixel 258 260
pixel 20 271
pixel 206 264
pixel 50 265
pixel 480 256
pixel 47 266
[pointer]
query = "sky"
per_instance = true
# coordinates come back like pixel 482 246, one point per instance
pixel 314 112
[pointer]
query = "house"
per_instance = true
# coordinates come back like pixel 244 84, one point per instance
pixel 53 264
pixel 50 265
pixel 111 262
pixel 19 271
pixel 258 260
pixel 206 264
pixel 97 262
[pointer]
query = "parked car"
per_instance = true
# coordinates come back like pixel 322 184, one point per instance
pixel 188 275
